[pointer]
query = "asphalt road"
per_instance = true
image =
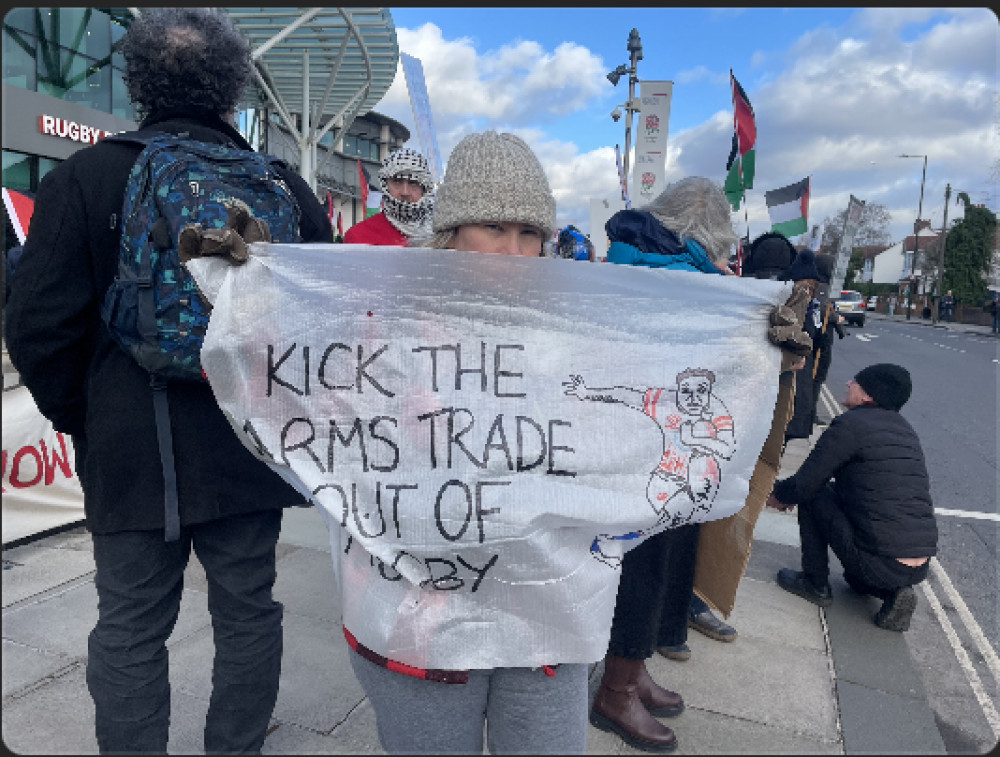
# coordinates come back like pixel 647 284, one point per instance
pixel 953 408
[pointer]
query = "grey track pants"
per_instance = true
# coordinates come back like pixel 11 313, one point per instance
pixel 521 710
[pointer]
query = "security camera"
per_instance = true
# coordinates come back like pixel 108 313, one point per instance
pixel 616 114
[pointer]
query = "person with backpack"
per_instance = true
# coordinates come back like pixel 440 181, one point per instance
pixel 187 69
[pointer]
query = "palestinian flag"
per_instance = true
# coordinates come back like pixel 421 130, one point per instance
pixel 788 208
pixel 742 156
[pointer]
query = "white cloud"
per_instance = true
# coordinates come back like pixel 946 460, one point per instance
pixel 833 102
pixel 516 85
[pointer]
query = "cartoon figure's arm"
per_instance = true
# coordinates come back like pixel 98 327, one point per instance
pixel 621 394
pixel 723 444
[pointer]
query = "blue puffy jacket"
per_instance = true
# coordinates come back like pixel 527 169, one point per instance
pixel 637 238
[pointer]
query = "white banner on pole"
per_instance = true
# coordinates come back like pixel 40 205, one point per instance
pixel 413 70
pixel 600 213
pixel 622 181
pixel 649 170
pixel 851 222
pixel 486 435
pixel 40 487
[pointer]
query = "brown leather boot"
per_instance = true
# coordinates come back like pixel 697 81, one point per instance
pixel 618 708
pixel 658 700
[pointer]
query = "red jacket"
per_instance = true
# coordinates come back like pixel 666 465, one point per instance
pixel 375 230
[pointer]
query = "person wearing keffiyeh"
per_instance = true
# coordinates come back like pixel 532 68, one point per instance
pixel 407 202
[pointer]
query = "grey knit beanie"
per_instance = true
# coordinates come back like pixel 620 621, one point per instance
pixel 494 178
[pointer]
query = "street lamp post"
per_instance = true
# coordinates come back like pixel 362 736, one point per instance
pixel 944 239
pixel 634 48
pixel 916 231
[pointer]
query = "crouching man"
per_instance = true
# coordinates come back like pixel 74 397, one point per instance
pixel 876 514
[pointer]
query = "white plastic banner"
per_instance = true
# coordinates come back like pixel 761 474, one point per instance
pixel 413 71
pixel 40 487
pixel 649 172
pixel 486 435
pixel 852 221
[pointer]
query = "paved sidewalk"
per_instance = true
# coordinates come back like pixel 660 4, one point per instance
pixel 798 680
pixel 969 328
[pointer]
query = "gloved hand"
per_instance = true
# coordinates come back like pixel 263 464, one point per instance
pixel 786 332
pixel 231 241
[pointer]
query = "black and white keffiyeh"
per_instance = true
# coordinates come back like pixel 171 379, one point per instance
pixel 411 218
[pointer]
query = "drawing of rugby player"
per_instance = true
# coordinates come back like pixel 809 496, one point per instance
pixel 697 434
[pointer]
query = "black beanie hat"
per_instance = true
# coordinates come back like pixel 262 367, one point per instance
pixel 824 264
pixel 803 267
pixel 889 385
pixel 770 255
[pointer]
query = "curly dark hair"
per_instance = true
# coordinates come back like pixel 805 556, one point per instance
pixel 192 59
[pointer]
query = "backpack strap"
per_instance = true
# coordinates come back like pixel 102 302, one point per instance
pixel 171 508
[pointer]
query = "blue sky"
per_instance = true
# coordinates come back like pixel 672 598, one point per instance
pixel 838 93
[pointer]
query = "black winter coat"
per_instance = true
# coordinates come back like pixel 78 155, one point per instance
pixel 881 481
pixel 90 387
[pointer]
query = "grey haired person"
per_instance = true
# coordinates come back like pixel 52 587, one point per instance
pixel 186 71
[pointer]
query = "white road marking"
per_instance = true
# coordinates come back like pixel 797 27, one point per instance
pixel 992 717
pixel 865 337
pixel 985 648
pixel 967 514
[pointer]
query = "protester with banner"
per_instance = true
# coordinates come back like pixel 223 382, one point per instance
pixel 831 322
pixel 425 400
pixel 687 227
pixel 495 198
pixel 407 202
pixel 186 70
pixel 806 276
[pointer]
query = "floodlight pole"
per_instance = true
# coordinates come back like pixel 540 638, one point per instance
pixel 635 55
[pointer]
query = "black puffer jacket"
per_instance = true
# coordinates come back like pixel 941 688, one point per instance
pixel 90 388
pixel 881 481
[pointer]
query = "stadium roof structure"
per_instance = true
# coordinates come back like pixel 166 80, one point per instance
pixel 338 62
pixel 350 54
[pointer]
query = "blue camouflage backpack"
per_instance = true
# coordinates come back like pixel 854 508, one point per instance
pixel 153 309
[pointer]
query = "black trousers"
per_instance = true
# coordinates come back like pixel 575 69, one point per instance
pixel 139 581
pixel 654 593
pixel 823 524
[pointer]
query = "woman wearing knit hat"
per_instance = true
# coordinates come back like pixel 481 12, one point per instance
pixel 407 202
pixel 494 198
pixel 876 515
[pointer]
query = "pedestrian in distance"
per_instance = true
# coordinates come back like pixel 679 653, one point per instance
pixel 407 202
pixel 947 306
pixel 994 308
pixel 864 492
pixel 494 198
pixel 186 71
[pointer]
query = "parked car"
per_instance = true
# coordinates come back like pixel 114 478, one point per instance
pixel 872 302
pixel 851 304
